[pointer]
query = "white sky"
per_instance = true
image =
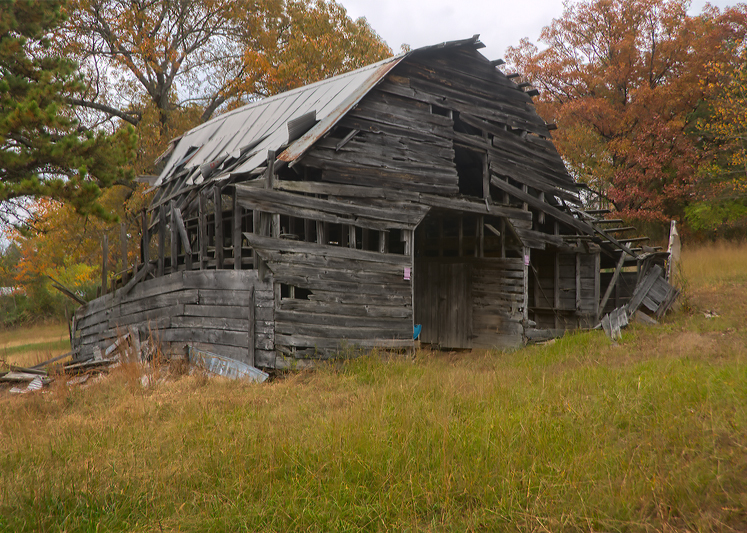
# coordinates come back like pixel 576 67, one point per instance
pixel 500 23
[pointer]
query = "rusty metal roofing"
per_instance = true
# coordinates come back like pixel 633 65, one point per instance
pixel 237 142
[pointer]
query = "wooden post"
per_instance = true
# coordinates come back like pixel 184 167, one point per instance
pixel 237 214
pixel 270 184
pixel 178 221
pixel 541 216
pixel 485 176
pixel 611 286
pixel 104 264
pixel 383 241
pixel 161 238
pixel 251 328
pixel 674 250
pixel 321 234
pixel 407 236
pixel 218 208
pixel 256 229
pixel 145 246
pixel 174 238
pixel 123 250
pixel 351 237
pixel 276 225
pixel 202 233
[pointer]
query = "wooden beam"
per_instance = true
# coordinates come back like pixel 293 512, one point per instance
pixel 161 238
pixel 611 286
pixel 218 208
pixel 174 237
pixel 145 245
pixel 556 213
pixel 236 237
pixel 182 229
pixel 431 200
pixel 146 269
pixel 202 233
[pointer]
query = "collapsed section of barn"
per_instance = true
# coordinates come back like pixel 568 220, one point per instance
pixel 421 190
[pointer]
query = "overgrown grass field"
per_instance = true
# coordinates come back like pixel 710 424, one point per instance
pixel 35 344
pixel 578 435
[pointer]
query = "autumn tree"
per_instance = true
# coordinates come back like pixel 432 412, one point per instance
pixel 174 63
pixel 44 152
pixel 722 189
pixel 622 79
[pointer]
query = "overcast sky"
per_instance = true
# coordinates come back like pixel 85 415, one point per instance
pixel 500 23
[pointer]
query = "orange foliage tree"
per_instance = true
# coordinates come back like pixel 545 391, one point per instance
pixel 622 79
pixel 196 57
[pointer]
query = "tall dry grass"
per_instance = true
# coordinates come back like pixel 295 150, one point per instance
pixel 579 435
pixel 714 263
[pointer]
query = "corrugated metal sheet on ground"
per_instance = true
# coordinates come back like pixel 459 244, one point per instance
pixel 225 366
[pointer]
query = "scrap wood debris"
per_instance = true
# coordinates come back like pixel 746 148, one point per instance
pixel 652 298
pixel 125 348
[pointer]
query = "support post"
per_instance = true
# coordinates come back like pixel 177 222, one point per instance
pixel 202 233
pixel 383 241
pixel 236 239
pixel 145 246
pixel 611 286
pixel 174 238
pixel 321 234
pixel 218 208
pixel 161 239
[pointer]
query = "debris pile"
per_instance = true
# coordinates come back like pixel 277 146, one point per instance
pixel 127 347
pixel 652 298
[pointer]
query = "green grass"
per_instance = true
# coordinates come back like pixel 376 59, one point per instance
pixel 578 435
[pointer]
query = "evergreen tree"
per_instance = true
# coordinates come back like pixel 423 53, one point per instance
pixel 43 150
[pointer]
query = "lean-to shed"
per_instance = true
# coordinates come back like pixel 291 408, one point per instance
pixel 423 189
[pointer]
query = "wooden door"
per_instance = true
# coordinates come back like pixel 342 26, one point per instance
pixel 443 302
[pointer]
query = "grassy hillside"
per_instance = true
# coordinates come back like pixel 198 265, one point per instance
pixel 579 435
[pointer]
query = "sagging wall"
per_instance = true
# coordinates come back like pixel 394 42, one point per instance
pixel 215 310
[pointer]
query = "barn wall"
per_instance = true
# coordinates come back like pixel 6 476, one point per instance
pixel 341 297
pixel 469 302
pixel 208 309
pixel 564 289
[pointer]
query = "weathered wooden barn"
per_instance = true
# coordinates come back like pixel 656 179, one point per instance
pixel 423 189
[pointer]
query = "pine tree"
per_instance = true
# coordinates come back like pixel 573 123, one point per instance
pixel 43 150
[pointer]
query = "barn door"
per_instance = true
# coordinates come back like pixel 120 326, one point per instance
pixel 443 302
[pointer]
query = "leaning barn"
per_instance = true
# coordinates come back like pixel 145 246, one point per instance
pixel 422 189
